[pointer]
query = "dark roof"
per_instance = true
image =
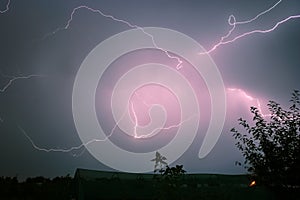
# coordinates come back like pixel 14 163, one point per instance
pixel 87 174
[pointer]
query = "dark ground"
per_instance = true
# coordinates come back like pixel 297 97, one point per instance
pixel 196 186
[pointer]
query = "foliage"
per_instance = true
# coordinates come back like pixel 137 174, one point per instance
pixel 36 188
pixel 173 174
pixel 168 179
pixel 271 146
pixel 160 162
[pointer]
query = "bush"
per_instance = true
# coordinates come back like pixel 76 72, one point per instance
pixel 271 147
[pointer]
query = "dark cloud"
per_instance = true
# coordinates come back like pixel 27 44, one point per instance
pixel 265 65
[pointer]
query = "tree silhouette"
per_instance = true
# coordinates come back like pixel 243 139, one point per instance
pixel 271 147
pixel 160 162
pixel 169 179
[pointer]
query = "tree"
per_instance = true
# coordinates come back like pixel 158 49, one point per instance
pixel 160 162
pixel 168 179
pixel 271 146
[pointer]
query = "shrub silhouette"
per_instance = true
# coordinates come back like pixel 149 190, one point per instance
pixel 271 147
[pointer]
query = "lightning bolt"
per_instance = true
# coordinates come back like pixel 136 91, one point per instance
pixel 52 150
pixel 135 121
pixel 66 150
pixel 157 129
pixel 233 23
pixel 15 78
pixel 69 150
pixel 179 64
pixel 223 41
pixel 256 17
pixel 74 148
pixel 141 99
pixel 12 80
pixel 6 7
pixel 165 128
pixel 253 99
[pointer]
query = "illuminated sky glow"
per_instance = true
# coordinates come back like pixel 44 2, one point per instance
pixel 43 46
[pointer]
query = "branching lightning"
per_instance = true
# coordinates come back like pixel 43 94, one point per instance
pixel 253 99
pixel 135 121
pixel 179 64
pixel 233 23
pixel 52 149
pixel 138 136
pixel 164 128
pixel 254 18
pixel 224 40
pixel 11 80
pixel 141 99
pixel 68 150
pixel 74 148
pixel 15 78
pixel 6 7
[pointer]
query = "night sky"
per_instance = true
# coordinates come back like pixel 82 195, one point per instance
pixel 35 42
